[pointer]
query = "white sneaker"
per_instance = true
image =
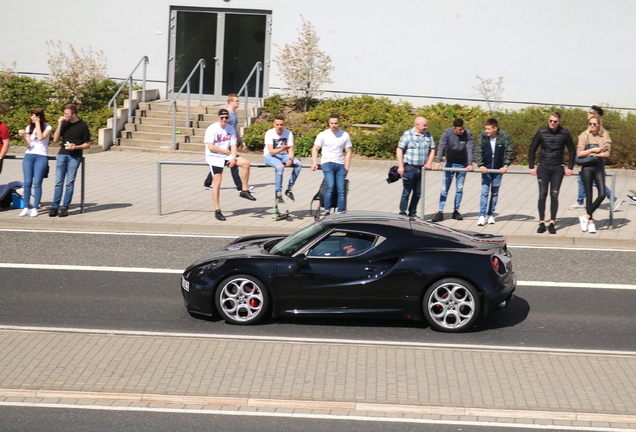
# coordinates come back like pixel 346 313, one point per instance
pixel 491 220
pixel 591 228
pixel 34 212
pixel 584 222
pixel 25 212
pixel 577 206
pixel 481 221
pixel 617 203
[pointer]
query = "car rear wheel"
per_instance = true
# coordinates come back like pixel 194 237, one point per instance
pixel 242 299
pixel 451 305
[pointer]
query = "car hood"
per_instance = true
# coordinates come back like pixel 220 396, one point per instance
pixel 240 248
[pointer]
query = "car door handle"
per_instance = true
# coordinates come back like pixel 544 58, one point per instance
pixel 370 269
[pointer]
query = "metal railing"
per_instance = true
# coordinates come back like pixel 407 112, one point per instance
pixel 258 67
pixel 129 81
pixel 200 65
pixel 496 171
pixel 160 163
pixel 82 172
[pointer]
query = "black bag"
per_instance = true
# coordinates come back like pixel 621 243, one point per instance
pixel 46 171
pixel 320 196
pixel 587 160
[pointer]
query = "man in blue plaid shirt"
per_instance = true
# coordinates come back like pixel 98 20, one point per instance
pixel 415 150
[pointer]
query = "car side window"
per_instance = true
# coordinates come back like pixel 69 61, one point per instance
pixel 343 244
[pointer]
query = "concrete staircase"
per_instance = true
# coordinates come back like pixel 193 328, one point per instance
pixel 151 126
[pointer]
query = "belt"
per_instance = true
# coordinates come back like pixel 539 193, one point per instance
pixel 416 166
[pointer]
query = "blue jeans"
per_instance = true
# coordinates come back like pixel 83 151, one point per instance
pixel 33 167
pixel 446 184
pixel 489 185
pixel 334 174
pixel 581 198
pixel 66 166
pixel 414 185
pixel 275 161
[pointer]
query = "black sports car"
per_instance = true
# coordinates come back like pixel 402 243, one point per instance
pixel 361 263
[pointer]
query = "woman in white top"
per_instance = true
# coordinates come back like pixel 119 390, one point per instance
pixel 35 163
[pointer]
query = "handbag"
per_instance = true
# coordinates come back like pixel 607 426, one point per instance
pixel 587 160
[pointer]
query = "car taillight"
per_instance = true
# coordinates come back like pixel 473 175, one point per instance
pixel 495 263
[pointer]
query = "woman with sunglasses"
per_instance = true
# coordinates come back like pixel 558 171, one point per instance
pixel 593 142
pixel 35 162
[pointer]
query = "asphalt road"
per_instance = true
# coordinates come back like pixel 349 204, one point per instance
pixel 539 316
pixel 26 419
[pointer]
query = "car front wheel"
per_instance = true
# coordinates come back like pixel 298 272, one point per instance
pixel 451 305
pixel 242 299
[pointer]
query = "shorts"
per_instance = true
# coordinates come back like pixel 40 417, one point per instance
pixel 218 170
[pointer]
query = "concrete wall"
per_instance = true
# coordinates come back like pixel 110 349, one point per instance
pixel 572 52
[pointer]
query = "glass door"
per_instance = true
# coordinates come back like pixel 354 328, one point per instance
pixel 230 42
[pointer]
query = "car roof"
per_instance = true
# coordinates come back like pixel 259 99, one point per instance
pixel 367 218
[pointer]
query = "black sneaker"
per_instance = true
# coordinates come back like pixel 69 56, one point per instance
pixel 52 212
pixel 219 215
pixel 247 195
pixel 63 212
pixel 280 199
pixel 438 217
pixel 541 228
pixel 289 194
pixel 457 215
pixel 552 229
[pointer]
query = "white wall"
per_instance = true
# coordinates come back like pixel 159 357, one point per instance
pixel 571 52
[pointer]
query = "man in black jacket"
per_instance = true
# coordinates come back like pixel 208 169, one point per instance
pixel 553 139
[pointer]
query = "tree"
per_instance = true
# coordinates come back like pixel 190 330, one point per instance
pixel 72 75
pixel 303 67
pixel 491 92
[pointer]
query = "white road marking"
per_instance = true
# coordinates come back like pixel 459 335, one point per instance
pixel 316 340
pixel 179 271
pixel 315 416
pixel 116 233
pixel 90 268
pixel 576 285
pixel 570 248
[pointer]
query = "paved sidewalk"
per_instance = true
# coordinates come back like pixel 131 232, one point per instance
pixel 121 195
pixel 366 379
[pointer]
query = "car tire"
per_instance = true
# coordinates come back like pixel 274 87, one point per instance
pixel 451 305
pixel 242 299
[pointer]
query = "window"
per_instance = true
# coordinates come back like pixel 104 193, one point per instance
pixel 343 244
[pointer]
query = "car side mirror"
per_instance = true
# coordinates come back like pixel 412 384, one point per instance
pixel 300 261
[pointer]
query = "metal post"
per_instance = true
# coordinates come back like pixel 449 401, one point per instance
pixel 201 83
pixel 115 123
pixel 188 106
pixel 174 128
pixel 143 86
pixel 130 86
pixel 611 198
pixel 422 184
pixel 158 188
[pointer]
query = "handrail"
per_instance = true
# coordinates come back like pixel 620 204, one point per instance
pixel 200 63
pixel 257 67
pixel 128 80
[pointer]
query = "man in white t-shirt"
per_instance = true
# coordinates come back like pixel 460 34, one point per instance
pixel 279 153
pixel 233 103
pixel 220 151
pixel 335 164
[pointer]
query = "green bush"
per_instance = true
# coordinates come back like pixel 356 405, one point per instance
pixel 396 118
pixel 19 95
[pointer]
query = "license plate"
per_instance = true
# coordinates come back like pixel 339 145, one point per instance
pixel 185 284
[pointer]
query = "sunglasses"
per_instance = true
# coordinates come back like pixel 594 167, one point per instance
pixel 553 121
pixel 224 117
pixel 593 124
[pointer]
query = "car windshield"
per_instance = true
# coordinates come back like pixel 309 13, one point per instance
pixel 290 245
